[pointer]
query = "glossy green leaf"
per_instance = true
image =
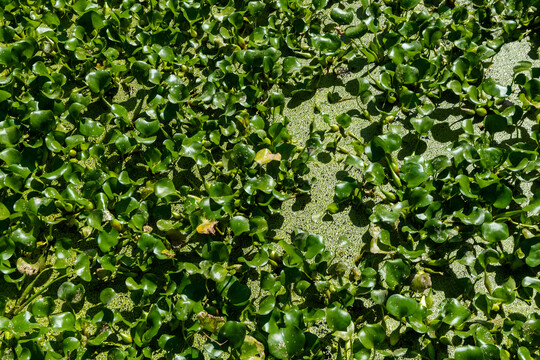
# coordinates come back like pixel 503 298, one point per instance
pixel 82 267
pixel 372 335
pixel 494 89
pixel 91 128
pixel 495 123
pixel 469 352
pixel 394 272
pixel 409 4
pixel 422 125
pixel 98 80
pixel 106 295
pixel 70 292
pixel 494 232
pixel 454 313
pixel 337 319
pixel 532 90
pixel 238 294
pixel 164 187
pixel 43 307
pixel 342 17
pixel 63 322
pixel 147 128
pixel 233 332
pixel 401 306
pixel 286 342
pixel 24 322
pixel 239 225
pixel 42 121
pixel 243 154
pixel 344 189
pixel 407 74
pixel 326 42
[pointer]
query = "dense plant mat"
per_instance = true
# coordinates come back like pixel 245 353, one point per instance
pixel 144 156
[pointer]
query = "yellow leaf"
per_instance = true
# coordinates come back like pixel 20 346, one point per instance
pixel 264 156
pixel 207 227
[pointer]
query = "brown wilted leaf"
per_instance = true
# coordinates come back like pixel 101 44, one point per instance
pixel 210 322
pixel 207 227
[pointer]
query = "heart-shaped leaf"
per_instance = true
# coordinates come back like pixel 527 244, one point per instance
pixel 494 231
pixel 63 322
pixel 342 17
pixel 98 80
pixel 43 307
pixel 401 306
pixel 286 342
pixel 422 125
pixel 233 332
pixel 337 319
pixel 454 313
pixel 372 335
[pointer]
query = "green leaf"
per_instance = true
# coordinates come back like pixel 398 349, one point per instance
pixel 24 322
pixel 91 128
pixel 523 353
pixel 375 174
pixel 42 121
pixel 107 240
pixel 394 272
pixel 43 307
pixel 243 154
pixel 276 99
pixel 147 128
pixel 239 294
pixel 494 232
pixel 10 135
pixel 265 183
pixel 4 212
pixel 422 125
pixel 401 306
pixel 337 319
pixel 266 305
pixel 164 187
pixel 70 292
pixel 314 246
pixel 372 335
pixel 407 74
pixel 468 352
pixel 495 123
pixel 319 4
pixel 70 344
pixel 454 313
pixel 326 42
pixel 344 120
pixel 82 267
pixel 106 295
pixel 408 4
pixel 533 259
pixel 532 90
pixel 286 342
pixel 357 31
pixel 63 322
pixel 239 225
pixel 345 188
pixel 494 89
pixel 141 71
pixel 98 80
pixel 233 332
pixel 342 17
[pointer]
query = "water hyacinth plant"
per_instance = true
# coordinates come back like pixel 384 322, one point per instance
pixel 269 179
